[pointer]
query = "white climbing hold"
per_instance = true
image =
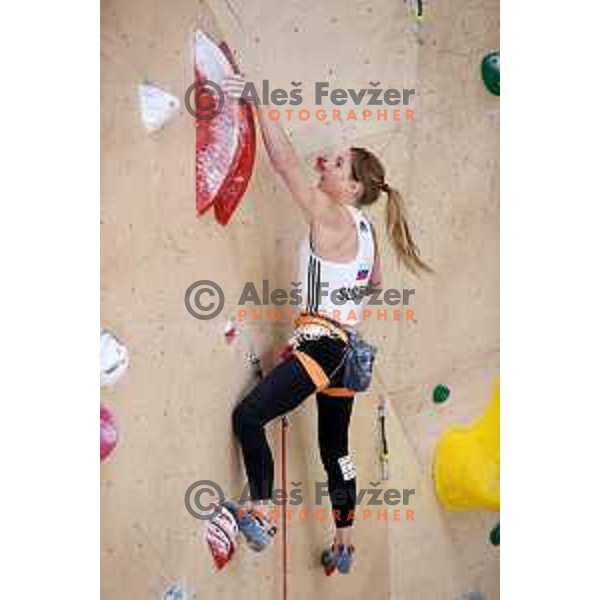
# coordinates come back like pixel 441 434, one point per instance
pixel 231 331
pixel 114 358
pixel 177 590
pixel 157 106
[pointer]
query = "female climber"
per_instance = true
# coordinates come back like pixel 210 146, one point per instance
pixel 338 265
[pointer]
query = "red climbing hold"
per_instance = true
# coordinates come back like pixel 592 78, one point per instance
pixel 225 134
pixel 221 535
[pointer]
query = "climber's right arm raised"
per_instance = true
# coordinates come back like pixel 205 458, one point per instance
pixel 314 203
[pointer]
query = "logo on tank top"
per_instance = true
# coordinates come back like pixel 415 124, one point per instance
pixel 363 227
pixel 363 271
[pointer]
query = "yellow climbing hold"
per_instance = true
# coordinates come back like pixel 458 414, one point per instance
pixel 466 466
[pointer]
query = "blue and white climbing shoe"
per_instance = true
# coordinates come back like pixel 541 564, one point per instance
pixel 338 557
pixel 257 530
pixel 345 558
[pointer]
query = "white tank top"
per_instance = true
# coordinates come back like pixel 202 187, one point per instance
pixel 343 285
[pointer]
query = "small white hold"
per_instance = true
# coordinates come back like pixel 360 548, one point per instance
pixel 177 590
pixel 231 331
pixel 157 106
pixel 114 358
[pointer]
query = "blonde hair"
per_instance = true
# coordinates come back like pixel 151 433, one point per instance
pixel 368 170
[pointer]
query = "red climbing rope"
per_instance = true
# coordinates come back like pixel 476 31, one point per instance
pixel 284 528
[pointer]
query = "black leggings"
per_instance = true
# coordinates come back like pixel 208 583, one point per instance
pixel 279 392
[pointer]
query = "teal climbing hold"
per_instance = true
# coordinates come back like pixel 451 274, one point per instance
pixel 441 393
pixel 495 535
pixel 490 72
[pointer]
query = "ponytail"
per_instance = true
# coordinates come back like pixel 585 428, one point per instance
pixel 368 170
pixel 399 233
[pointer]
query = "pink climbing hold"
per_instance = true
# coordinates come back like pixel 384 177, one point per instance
pixel 109 433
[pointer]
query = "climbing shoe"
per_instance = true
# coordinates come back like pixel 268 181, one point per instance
pixel 257 530
pixel 345 558
pixel 338 557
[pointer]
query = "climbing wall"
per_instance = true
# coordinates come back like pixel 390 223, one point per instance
pixel 174 404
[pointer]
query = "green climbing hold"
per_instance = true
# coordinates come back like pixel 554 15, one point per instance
pixel 495 535
pixel 441 393
pixel 490 72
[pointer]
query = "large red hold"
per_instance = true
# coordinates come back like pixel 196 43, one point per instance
pixel 225 134
pixel 221 535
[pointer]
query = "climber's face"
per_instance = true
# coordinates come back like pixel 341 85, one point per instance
pixel 336 176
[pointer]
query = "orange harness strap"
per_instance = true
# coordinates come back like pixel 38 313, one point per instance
pixel 339 392
pixel 314 370
pixel 319 377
